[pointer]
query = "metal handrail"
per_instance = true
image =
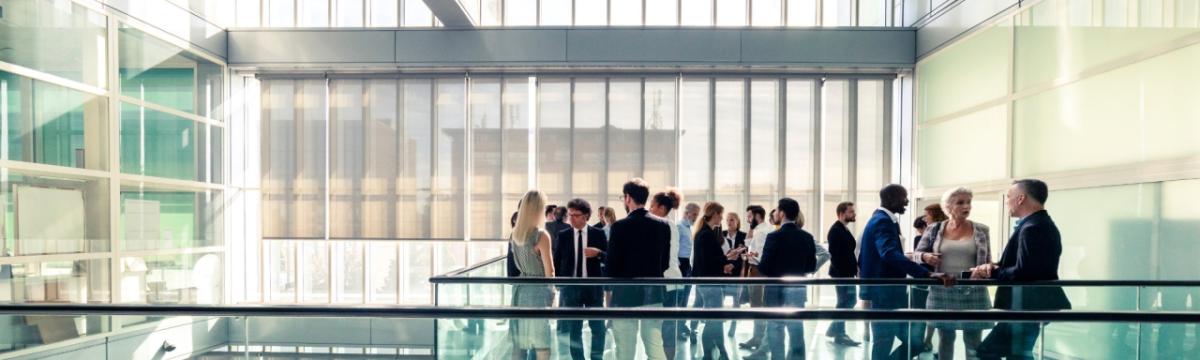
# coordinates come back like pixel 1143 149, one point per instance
pixel 427 312
pixel 458 272
pixel 456 278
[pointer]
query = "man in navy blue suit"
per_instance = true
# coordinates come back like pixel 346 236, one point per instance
pixel 882 257
pixel 1032 254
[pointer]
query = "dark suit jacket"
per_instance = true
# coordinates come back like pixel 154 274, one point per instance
pixel 708 260
pixel 842 263
pixel 565 252
pixel 789 251
pixel 513 271
pixel 639 246
pixel 1032 254
pixel 739 240
pixel 882 257
pixel 554 227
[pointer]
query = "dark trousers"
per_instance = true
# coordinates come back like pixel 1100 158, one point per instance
pixel 846 297
pixel 1010 341
pixel 671 328
pixel 883 334
pixel 712 340
pixel 577 297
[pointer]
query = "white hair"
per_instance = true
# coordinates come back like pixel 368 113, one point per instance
pixel 953 193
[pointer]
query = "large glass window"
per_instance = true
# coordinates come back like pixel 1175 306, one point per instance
pixel 173 279
pixel 625 12
pixel 155 71
pixel 520 12
pixel 835 152
pixel 487 159
pixel 591 12
pixel 416 166
pixel 155 143
pixel 53 125
pixel 697 13
pixel 53 214
pixel 802 12
pixel 64 39
pixel 799 153
pixel 449 156
pixel 730 151
pixel 517 125
pixel 732 13
pixel 348 13
pixel 871 143
pixel 659 153
pixel 312 13
pixel 416 14
pixel 555 13
pixel 766 12
pixel 695 139
pixel 293 161
pixel 280 13
pixel 662 12
pixel 554 139
pixel 347 156
pixel 764 142
pixel 624 138
pixel 383 13
pixel 156 217
pixel 590 141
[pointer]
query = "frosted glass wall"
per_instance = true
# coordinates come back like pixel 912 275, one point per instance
pixel 1098 98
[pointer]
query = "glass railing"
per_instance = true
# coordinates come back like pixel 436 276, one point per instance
pixel 478 287
pixel 283 332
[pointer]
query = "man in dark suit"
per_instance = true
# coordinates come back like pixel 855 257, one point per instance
pixel 513 271
pixel 882 257
pixel 789 251
pixel 1032 254
pixel 844 265
pixel 639 247
pixel 556 222
pixel 579 253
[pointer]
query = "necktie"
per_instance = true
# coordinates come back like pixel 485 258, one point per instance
pixel 581 269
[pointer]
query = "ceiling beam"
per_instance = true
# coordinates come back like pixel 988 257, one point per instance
pixel 451 13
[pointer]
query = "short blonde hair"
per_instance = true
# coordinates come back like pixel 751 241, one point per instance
pixel 953 193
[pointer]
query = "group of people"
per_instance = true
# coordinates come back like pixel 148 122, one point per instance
pixel 557 241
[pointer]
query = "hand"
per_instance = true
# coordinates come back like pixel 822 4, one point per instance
pixel 591 252
pixel 947 279
pixel 933 259
pixel 732 255
pixel 983 271
pixel 729 268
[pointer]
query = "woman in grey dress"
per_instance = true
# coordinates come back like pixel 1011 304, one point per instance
pixel 532 255
pixel 954 246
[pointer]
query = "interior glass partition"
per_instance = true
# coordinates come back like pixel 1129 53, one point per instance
pixel 442 160
pixel 113 169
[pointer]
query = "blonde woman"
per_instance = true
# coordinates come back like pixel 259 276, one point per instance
pixel 532 255
pixel 952 247
pixel 608 216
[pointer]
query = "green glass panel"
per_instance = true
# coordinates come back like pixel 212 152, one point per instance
pixel 968 73
pixel 159 144
pixel 163 73
pixel 1142 112
pixel 964 150
pixel 50 124
pixel 57 37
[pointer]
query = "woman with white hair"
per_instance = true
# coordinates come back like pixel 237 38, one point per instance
pixel 531 252
pixel 952 247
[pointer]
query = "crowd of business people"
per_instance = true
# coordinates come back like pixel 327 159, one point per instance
pixel 708 241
